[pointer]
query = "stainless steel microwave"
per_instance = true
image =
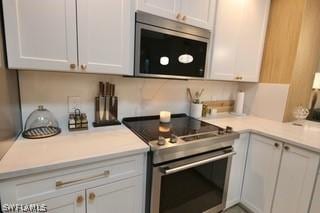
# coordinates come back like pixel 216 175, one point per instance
pixel 169 49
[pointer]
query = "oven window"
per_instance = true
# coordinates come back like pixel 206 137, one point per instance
pixel 163 54
pixel 194 190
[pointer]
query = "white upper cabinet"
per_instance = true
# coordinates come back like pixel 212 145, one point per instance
pixel 81 35
pixel 41 34
pixel 164 8
pixel 238 40
pixel 261 172
pixel 296 180
pixel 106 33
pixel 237 170
pixel 196 13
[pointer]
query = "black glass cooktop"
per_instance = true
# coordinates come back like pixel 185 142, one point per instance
pixel 149 128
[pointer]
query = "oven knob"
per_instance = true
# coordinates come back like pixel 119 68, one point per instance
pixel 161 141
pixel 228 129
pixel 173 138
pixel 220 131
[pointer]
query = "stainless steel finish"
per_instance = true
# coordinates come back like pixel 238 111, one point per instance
pixel 148 19
pixel 198 163
pixel 166 26
pixel 158 174
pixel 10 111
pixel 180 149
pixel 60 184
pixel 161 141
pixel 173 138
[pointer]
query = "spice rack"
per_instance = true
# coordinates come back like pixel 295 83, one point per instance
pixel 77 121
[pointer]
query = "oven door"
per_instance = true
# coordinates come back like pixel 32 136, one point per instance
pixel 166 53
pixel 193 185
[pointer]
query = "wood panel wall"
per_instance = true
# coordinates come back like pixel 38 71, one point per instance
pixel 292 49
pixel 281 40
pixel 307 59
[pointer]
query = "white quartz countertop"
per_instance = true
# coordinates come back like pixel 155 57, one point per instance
pixel 306 136
pixel 69 149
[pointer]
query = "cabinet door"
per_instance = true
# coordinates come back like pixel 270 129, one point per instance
pixel 315 205
pixel 41 34
pixel 106 32
pixel 251 39
pixel 164 8
pixel 70 203
pixel 239 39
pixel 198 13
pixel 296 180
pixel 121 196
pixel 261 172
pixel 237 170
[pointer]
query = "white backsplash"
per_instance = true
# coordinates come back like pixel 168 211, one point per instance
pixel 265 100
pixel 137 96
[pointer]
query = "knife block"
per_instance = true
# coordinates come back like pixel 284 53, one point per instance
pixel 106 111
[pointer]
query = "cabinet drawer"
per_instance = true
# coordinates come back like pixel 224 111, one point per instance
pixel 72 179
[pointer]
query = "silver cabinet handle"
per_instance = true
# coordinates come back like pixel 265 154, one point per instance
pixel 60 184
pixel 191 165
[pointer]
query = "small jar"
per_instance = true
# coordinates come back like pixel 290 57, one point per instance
pixel 72 122
pixel 84 120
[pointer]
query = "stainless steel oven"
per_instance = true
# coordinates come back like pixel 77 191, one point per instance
pixel 168 49
pixel 193 185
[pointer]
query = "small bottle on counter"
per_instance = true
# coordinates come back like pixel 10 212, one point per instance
pixel 72 122
pixel 84 120
pixel 77 118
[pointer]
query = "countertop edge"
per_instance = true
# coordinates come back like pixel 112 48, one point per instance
pixel 281 139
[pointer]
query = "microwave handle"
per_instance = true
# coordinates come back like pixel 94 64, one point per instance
pixel 167 171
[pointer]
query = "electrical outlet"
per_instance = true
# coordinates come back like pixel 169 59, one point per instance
pixel 73 103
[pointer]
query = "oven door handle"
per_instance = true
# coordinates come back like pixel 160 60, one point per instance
pixel 167 171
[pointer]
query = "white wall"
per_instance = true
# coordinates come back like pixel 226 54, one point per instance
pixel 136 96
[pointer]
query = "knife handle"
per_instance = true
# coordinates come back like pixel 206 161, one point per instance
pixel 101 89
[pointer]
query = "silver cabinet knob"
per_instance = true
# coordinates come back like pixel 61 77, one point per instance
pixel 184 18
pixel 287 148
pixel 178 16
pixel 276 145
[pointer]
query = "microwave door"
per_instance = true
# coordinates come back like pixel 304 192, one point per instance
pixel 169 54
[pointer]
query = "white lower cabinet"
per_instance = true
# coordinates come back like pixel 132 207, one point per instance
pixel 113 186
pixel 70 203
pixel 237 170
pixel 121 196
pixel 278 177
pixel 297 174
pixel 315 205
pixel 261 171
